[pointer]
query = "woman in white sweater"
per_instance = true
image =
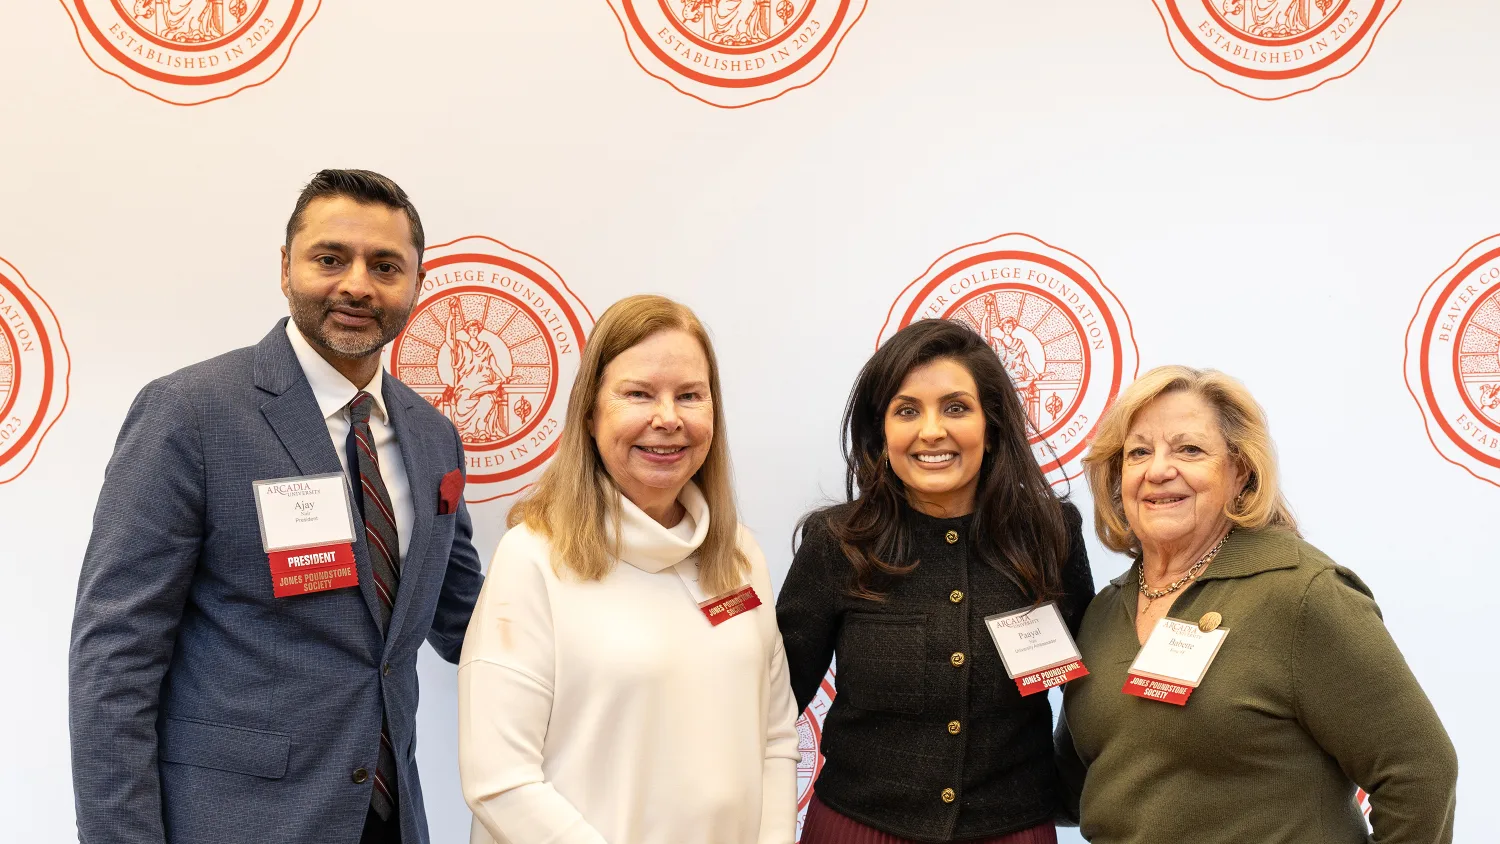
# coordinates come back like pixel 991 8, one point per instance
pixel 618 683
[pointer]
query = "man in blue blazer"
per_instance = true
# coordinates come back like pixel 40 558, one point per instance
pixel 203 709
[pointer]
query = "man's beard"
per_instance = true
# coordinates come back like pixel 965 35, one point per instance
pixel 311 317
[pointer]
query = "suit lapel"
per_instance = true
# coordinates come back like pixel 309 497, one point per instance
pixel 293 414
pixel 424 488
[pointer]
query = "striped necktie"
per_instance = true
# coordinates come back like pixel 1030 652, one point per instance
pixel 385 565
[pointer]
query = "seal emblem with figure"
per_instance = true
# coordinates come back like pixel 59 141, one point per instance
pixel 1271 49
pixel 809 741
pixel 734 53
pixel 1064 338
pixel 188 52
pixel 494 343
pixel 33 372
pixel 1453 361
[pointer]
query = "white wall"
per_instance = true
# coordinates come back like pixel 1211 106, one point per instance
pixel 1288 243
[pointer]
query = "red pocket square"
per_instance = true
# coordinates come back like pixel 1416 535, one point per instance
pixel 450 492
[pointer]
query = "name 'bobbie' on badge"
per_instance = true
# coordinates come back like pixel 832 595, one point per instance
pixel 721 609
pixel 307 530
pixel 1036 648
pixel 1173 661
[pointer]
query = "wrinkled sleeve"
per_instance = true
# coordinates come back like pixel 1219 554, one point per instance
pixel 1078 578
pixel 1358 699
pixel 505 684
pixel 135 581
pixel 807 613
pixel 778 811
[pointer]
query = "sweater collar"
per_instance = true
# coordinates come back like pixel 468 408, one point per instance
pixel 648 546
pixel 1245 553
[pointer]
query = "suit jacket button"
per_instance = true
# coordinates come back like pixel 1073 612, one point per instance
pixel 951 536
pixel 359 776
pixel 949 795
pixel 954 727
pixel 957 659
pixel 955 596
pixel 386 670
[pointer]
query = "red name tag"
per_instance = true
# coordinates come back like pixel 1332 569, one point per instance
pixel 1156 689
pixel 304 570
pixel 1047 678
pixel 721 609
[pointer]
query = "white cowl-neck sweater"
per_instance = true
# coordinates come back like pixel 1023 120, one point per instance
pixel 613 711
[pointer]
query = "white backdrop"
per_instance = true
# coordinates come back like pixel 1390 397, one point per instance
pixel 1287 242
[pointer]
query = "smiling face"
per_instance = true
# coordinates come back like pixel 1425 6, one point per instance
pixel 1177 476
pixel 934 436
pixel 653 419
pixel 350 276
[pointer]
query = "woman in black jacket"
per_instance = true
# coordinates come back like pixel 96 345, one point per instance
pixel 949 520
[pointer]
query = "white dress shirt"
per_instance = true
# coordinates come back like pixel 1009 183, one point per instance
pixel 334 392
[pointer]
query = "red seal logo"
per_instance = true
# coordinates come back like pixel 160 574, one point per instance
pixel 734 53
pixel 1271 49
pixel 188 52
pixel 494 343
pixel 1064 338
pixel 1453 361
pixel 809 737
pixel 33 372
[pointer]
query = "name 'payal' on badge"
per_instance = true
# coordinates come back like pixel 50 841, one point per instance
pixel 1036 648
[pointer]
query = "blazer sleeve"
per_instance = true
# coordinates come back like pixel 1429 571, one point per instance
pixel 505 685
pixel 1358 699
pixel 1078 578
pixel 806 610
pixel 137 571
pixel 461 582
pixel 778 815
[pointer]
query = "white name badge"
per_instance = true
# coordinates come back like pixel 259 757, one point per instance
pixel 307 530
pixel 1036 648
pixel 1173 661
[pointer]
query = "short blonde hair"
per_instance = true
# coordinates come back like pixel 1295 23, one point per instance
pixel 575 495
pixel 1242 422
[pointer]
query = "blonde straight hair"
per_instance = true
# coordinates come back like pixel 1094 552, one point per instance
pixel 1242 423
pixel 575 496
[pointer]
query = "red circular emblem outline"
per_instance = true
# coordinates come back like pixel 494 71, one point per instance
pixel 49 371
pixel 1088 364
pixel 294 28
pixel 1273 42
pixel 496 261
pixel 1176 21
pixel 542 331
pixel 1116 377
pixel 777 76
pixel 1458 352
pixel 1424 358
pixel 9 342
pixel 187 47
pixel 730 49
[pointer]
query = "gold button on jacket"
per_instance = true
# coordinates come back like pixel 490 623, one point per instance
pixel 957 659
pixel 949 795
pixel 955 596
pixel 951 536
pixel 954 727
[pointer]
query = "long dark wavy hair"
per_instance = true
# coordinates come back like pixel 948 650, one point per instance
pixel 1018 527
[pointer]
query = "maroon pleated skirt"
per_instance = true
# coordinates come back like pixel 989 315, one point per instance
pixel 825 826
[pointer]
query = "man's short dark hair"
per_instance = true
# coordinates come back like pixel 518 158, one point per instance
pixel 362 186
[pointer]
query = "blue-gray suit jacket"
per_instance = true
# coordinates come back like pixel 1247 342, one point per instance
pixel 202 709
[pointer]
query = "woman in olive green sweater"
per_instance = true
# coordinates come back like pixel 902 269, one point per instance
pixel 1308 697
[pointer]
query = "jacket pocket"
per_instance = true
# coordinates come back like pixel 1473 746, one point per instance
pixel 882 662
pixel 224 748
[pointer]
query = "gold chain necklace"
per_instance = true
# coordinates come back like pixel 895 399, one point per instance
pixel 1192 573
